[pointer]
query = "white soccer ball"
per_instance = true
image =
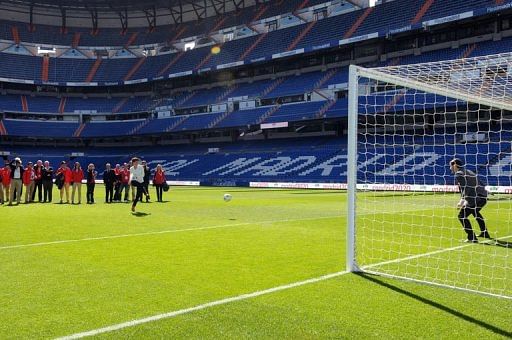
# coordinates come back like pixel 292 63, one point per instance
pixel 227 197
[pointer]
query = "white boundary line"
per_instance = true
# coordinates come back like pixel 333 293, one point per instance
pixel 199 307
pixel 258 293
pixel 39 244
pixel 412 257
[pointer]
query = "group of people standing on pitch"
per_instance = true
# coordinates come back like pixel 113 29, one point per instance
pixel 35 179
pixel 40 178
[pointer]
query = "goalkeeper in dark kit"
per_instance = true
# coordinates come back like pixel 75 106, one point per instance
pixel 473 199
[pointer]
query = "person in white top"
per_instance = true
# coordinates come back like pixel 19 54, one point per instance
pixel 137 180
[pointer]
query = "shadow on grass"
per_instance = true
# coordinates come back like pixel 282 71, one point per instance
pixel 437 305
pixel 498 243
pixel 140 214
pixel 504 244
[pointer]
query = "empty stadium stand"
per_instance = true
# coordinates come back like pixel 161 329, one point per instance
pixel 298 96
pixel 279 88
pixel 34 128
pixel 300 160
pixel 62 69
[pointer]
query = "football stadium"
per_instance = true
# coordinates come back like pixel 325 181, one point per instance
pixel 256 169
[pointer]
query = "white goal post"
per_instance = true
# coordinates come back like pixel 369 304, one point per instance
pixel 405 124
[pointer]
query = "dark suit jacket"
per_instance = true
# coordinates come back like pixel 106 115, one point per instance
pixel 12 165
pixel 109 177
pixel 47 175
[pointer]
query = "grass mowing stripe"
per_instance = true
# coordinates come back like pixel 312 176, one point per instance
pixel 200 307
pixel 172 314
pixel 38 244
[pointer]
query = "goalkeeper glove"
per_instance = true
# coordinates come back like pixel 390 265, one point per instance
pixel 462 203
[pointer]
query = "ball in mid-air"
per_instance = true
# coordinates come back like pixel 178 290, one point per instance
pixel 215 50
pixel 227 197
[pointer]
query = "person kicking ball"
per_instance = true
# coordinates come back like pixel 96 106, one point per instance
pixel 137 181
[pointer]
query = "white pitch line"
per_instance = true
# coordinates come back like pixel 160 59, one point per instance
pixel 39 244
pixel 172 314
pixel 199 307
pixel 412 257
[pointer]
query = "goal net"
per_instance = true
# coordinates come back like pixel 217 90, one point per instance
pixel 406 123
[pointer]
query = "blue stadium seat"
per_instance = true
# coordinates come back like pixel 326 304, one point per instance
pixel 112 128
pixel 34 128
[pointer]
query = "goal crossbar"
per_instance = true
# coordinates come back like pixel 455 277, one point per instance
pixel 443 89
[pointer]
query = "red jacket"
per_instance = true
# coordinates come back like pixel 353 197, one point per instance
pixel 78 175
pixel 159 177
pixel 28 176
pixel 125 176
pixel 68 174
pixel 6 176
pixel 38 172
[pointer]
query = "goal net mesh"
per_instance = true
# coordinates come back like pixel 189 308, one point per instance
pixel 412 120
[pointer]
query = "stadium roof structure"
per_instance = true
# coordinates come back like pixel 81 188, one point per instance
pixel 124 9
pixel 119 5
pixel 138 5
pixel 177 11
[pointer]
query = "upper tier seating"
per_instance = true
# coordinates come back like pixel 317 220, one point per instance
pixel 45 104
pixel 113 128
pixel 10 103
pixel 382 18
pixel 52 35
pixel 243 118
pixel 34 128
pixel 287 86
pixel 295 112
pixel 296 84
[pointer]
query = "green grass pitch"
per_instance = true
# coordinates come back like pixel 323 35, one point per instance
pixel 68 269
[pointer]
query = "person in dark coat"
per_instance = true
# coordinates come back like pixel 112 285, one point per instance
pixel 109 179
pixel 117 184
pixel 147 175
pixel 91 183
pixel 38 181
pixel 47 181
pixel 473 199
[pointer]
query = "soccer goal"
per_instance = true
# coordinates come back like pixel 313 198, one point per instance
pixel 406 123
